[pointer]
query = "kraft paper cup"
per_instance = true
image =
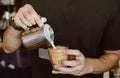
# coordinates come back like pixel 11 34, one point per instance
pixel 57 54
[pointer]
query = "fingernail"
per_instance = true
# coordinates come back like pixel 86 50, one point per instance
pixel 30 25
pixel 52 71
pixel 43 19
pixel 26 28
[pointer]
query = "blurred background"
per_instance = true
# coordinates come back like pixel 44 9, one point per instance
pixel 17 64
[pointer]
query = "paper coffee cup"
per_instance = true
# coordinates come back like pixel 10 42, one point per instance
pixel 57 54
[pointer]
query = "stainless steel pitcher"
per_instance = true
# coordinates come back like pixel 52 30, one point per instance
pixel 38 38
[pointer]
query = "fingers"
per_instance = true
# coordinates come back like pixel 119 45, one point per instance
pixel 71 66
pixel 78 55
pixel 72 52
pixel 23 20
pixel 66 70
pixel 18 22
pixel 79 58
pixel 70 63
pixel 27 17
pixel 34 14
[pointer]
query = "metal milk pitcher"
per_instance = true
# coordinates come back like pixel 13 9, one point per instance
pixel 38 38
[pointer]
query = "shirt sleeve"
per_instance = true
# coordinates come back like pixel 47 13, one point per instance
pixel 111 36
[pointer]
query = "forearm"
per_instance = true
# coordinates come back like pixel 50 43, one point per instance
pixel 11 40
pixel 104 63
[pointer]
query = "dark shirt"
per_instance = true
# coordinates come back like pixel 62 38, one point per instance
pixel 89 26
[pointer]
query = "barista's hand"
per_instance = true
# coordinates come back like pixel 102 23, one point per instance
pixel 75 67
pixel 27 17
